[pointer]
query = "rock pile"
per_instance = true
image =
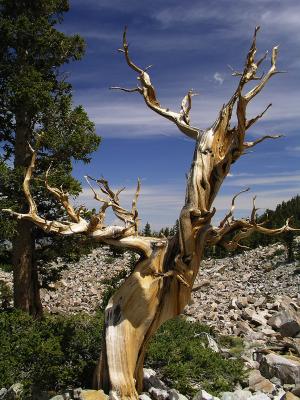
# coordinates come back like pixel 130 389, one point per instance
pixel 229 289
pixel 238 295
pixel 81 286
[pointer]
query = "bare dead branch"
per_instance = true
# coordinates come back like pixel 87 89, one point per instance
pixel 253 212
pixel 248 145
pixel 26 182
pixel 95 228
pixel 134 210
pixel 230 214
pixel 186 105
pixel 130 218
pixel 234 72
pixel 148 92
pixel 136 89
pixel 272 71
pixel 254 120
pixel 63 198
pixel 243 228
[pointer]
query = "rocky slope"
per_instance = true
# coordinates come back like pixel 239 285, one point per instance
pixel 255 295
pixel 235 295
pixel 246 287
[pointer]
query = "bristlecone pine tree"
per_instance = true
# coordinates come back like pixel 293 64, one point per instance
pixel 160 285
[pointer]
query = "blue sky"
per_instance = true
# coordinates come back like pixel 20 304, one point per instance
pixel 190 45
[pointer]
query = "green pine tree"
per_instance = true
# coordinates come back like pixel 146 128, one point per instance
pixel 147 230
pixel 35 97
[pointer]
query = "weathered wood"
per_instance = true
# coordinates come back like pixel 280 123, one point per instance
pixel 160 285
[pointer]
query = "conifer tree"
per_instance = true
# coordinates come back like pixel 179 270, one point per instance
pixel 35 98
pixel 147 230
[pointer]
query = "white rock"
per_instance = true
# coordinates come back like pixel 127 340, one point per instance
pixel 259 396
pixel 144 396
pixel 174 395
pixel 152 381
pixel 158 394
pixel 279 395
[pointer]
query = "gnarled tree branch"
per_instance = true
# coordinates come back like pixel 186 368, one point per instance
pixel 123 236
pixel 242 229
pixel 181 119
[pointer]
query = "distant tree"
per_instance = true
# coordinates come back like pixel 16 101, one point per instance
pixel 35 97
pixel 147 230
pixel 166 232
pixel 175 228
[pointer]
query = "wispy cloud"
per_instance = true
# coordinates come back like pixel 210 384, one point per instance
pixel 265 180
pixel 126 115
pixel 236 16
pixel 219 78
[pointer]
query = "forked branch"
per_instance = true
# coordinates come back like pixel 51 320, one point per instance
pixel 242 228
pixel 63 198
pixel 248 145
pixel 241 101
pixel 126 235
pixel 147 90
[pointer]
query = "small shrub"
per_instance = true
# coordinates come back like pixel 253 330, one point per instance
pixel 179 351
pixel 52 354
pixel 6 267
pixel 6 295
pixel 278 252
pixel 234 344
pixel 109 259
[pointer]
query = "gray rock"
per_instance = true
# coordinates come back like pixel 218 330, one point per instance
pixel 227 396
pixel 257 318
pixel 259 396
pixel 296 390
pixel 144 396
pixel 14 392
pixel 58 397
pixel 236 395
pixel 287 322
pixel 287 370
pixel 198 396
pixel 258 383
pixel 3 391
pixel 158 394
pixel 152 381
pixel 242 394
pixel 203 395
pixel 276 381
pixel 76 393
pixel 279 395
pixel 174 395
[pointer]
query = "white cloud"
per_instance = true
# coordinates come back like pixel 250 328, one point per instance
pixel 265 180
pixel 281 19
pixel 219 78
pixel 127 116
pixel 294 150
